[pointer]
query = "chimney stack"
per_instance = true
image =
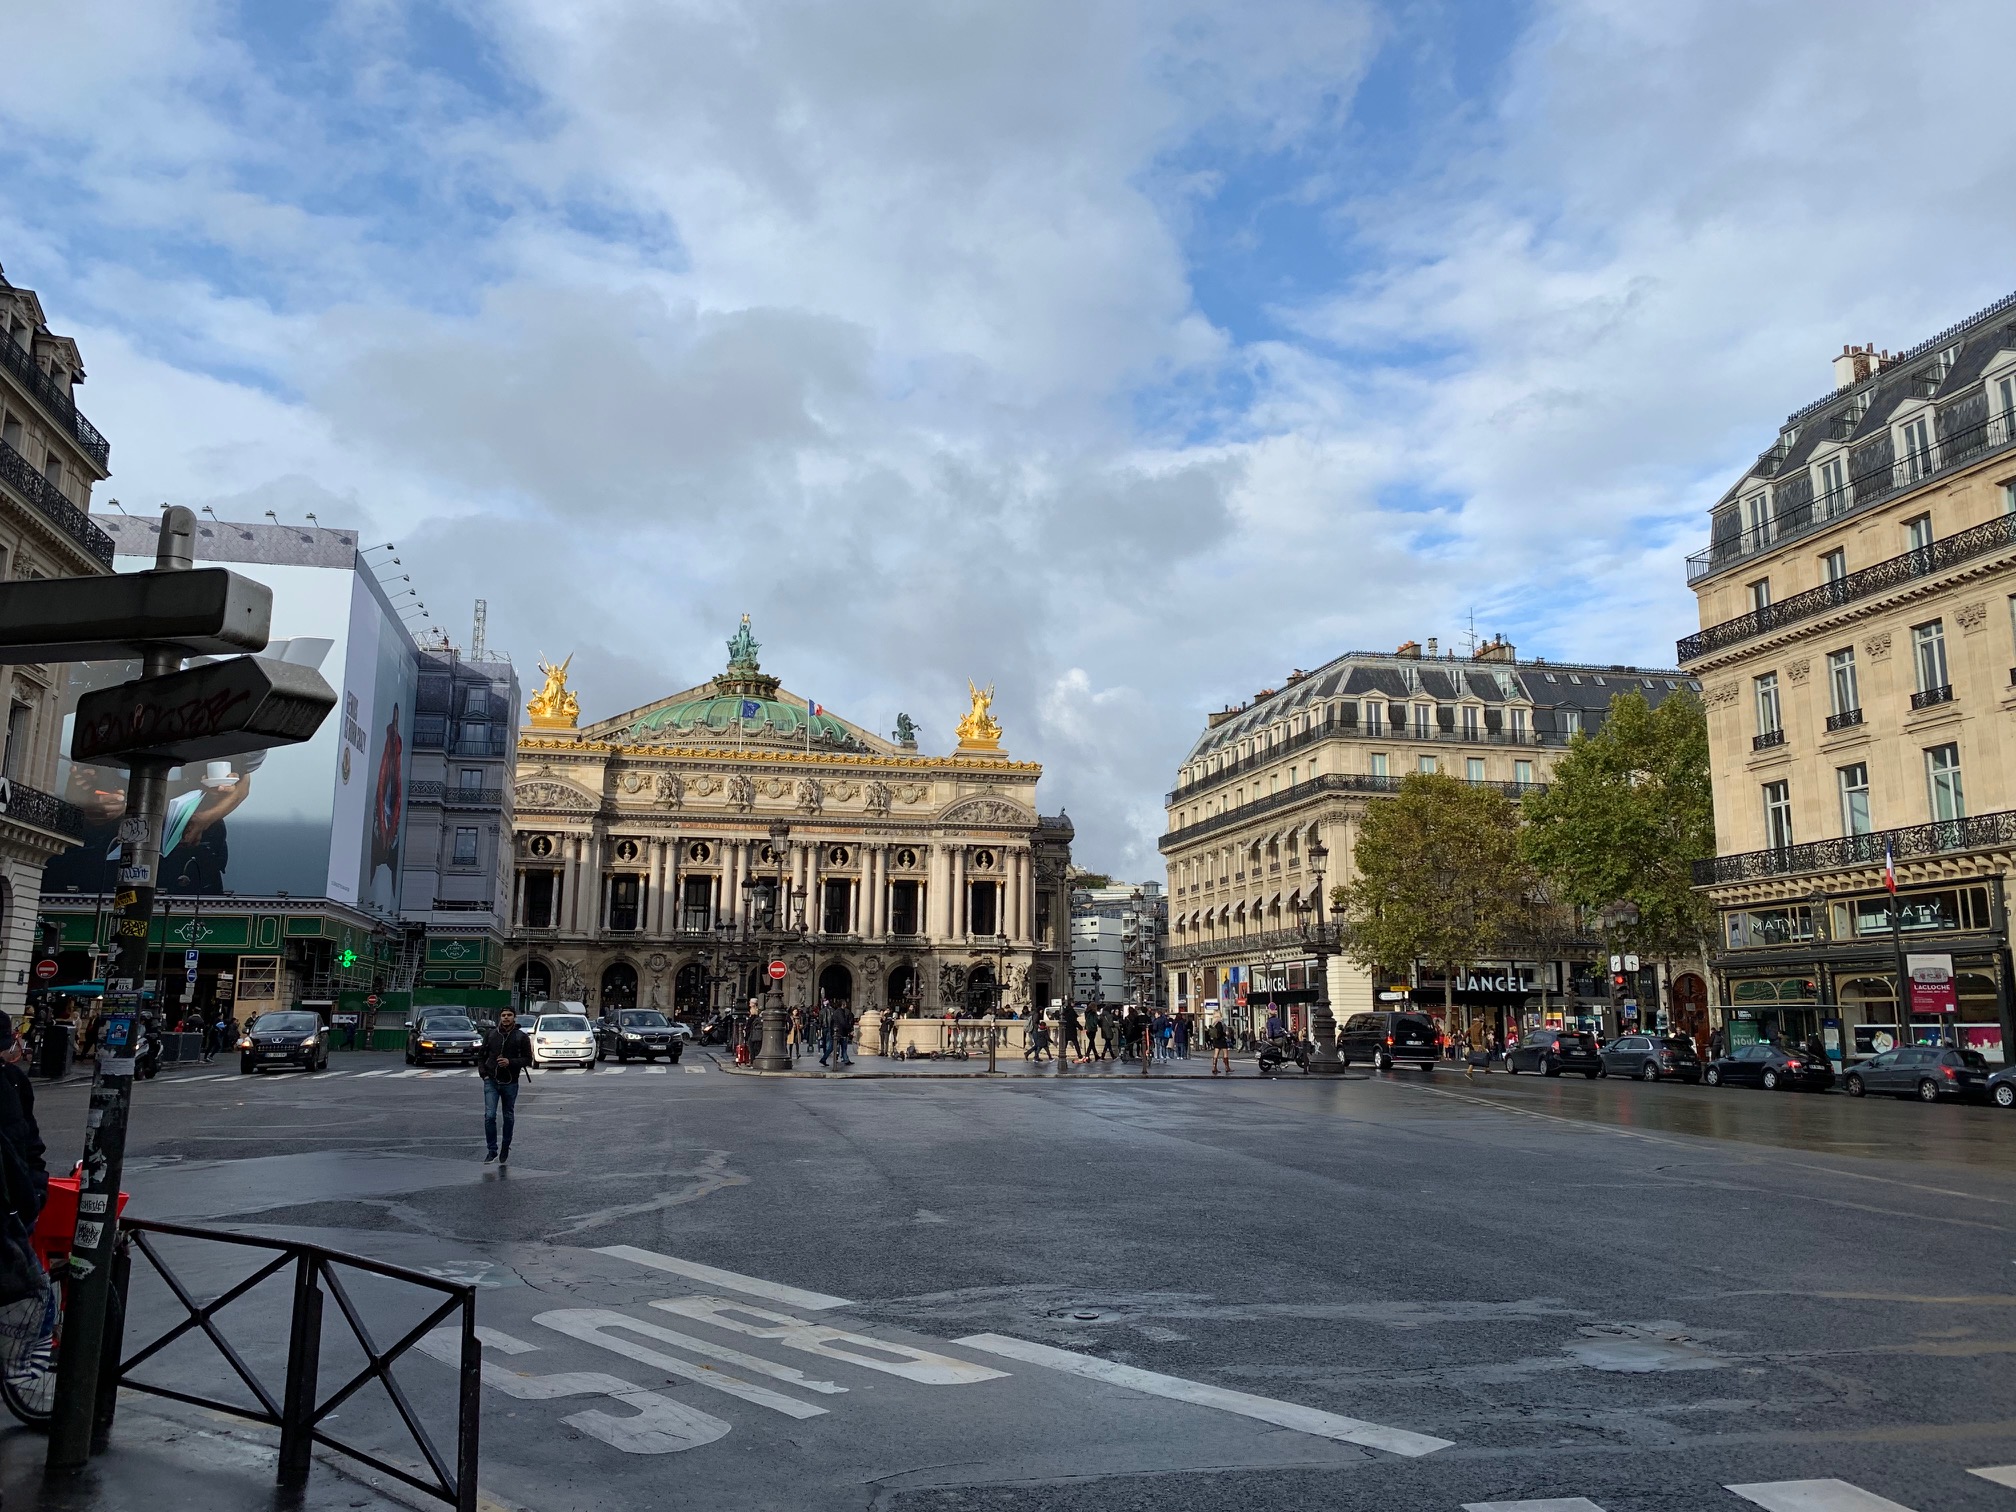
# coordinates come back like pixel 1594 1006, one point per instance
pixel 1856 363
pixel 1431 648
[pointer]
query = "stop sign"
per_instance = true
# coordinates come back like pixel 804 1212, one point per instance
pixel 47 969
pixel 777 971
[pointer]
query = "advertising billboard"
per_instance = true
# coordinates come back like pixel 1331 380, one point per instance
pixel 375 742
pixel 261 822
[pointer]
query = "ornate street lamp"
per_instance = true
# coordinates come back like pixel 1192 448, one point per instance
pixel 1325 1061
pixel 776 1054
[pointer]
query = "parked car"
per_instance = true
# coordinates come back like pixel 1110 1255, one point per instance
pixel 1549 1052
pixel 562 1039
pixel 443 1038
pixel 2002 1088
pixel 289 1038
pixel 1926 1072
pixel 1769 1067
pixel 636 1031
pixel 1383 1040
pixel 681 1030
pixel 1650 1057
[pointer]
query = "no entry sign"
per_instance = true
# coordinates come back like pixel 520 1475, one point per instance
pixel 777 971
pixel 47 969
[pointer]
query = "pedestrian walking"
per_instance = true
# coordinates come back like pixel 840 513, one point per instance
pixel 27 1302
pixel 843 1031
pixel 1182 1036
pixel 1068 1021
pixel 507 1051
pixel 1039 1040
pixel 1219 1038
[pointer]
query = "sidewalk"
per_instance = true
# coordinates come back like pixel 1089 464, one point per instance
pixel 167 1458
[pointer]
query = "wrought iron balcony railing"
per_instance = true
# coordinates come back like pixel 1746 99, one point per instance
pixel 452 795
pixel 1998 534
pixel 1930 696
pixel 1328 782
pixel 1767 739
pixel 1336 729
pixel 49 500
pixel 1873 485
pixel 1936 838
pixel 1844 720
pixel 20 364
pixel 27 805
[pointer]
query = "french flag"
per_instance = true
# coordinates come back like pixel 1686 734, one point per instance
pixel 1889 870
pixel 814 709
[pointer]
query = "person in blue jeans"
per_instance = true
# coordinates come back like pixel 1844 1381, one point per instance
pixel 507 1051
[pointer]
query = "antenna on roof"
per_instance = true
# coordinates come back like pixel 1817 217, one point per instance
pixel 1470 637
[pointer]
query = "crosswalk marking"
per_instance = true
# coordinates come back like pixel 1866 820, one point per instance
pixel 1815 1496
pixel 748 1286
pixel 1546 1504
pixel 362 1074
pixel 592 1325
pixel 2002 1475
pixel 1282 1414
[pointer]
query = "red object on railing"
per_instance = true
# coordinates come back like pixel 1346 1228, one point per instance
pixel 57 1225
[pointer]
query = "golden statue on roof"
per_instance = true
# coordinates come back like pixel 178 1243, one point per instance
pixel 979 731
pixel 554 707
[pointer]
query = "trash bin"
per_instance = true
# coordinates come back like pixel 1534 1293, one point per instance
pixel 59 1049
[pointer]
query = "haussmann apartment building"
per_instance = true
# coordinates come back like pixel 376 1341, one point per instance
pixel 1858 659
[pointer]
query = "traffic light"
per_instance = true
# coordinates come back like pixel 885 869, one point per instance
pixel 1617 981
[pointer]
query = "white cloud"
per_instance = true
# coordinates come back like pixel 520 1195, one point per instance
pixel 634 315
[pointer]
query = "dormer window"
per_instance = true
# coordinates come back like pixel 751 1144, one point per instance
pixel 1831 481
pixel 1757 517
pixel 1914 449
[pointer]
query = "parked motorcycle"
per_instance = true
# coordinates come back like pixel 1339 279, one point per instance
pixel 1276 1053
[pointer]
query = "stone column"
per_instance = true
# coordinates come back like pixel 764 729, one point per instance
pixel 959 913
pixel 937 919
pixel 669 920
pixel 729 904
pixel 572 883
pixel 1029 896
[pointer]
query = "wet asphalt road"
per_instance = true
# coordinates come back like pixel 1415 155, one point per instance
pixel 1638 1295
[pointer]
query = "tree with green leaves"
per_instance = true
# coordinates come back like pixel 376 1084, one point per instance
pixel 1440 878
pixel 1625 815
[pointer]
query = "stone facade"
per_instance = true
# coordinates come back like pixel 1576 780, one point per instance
pixel 1297 765
pixel 1858 613
pixel 50 457
pixel 651 868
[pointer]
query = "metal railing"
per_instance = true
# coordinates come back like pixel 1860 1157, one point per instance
pixel 47 498
pixel 452 795
pixel 1336 729
pixel 1846 719
pixel 1936 838
pixel 27 805
pixel 1981 540
pixel 1871 486
pixel 1328 782
pixel 1764 740
pixel 1926 698
pixel 299 1409
pixel 50 394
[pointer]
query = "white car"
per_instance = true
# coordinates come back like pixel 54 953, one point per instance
pixel 560 1039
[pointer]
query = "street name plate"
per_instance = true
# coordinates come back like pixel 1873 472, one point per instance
pixel 227 708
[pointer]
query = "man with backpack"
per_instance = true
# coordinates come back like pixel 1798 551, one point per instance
pixel 507 1050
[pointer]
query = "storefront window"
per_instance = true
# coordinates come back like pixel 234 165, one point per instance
pixel 1769 926
pixel 1957 908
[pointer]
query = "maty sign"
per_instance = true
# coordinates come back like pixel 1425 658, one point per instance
pixel 225 709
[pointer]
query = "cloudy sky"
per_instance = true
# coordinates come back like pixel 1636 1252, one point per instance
pixel 1123 353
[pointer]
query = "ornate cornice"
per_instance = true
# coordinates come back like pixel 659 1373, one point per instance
pixel 546 748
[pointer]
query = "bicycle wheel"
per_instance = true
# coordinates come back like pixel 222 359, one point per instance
pixel 28 1384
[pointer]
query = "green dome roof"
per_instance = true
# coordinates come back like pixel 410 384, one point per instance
pixel 718 713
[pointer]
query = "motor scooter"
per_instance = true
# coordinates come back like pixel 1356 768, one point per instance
pixel 1276 1053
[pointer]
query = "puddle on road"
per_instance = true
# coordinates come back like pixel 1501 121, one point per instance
pixel 1643 1354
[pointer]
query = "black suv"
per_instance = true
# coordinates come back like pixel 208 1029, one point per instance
pixel 636 1031
pixel 1381 1040
pixel 1549 1052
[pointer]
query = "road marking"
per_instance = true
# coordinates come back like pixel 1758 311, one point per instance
pixel 1282 1414
pixel 661 1425
pixel 1815 1496
pixel 2002 1475
pixel 402 1075
pixel 912 1364
pixel 600 1319
pixel 1547 1504
pixel 689 1070
pixel 749 1286
pixel 362 1074
pixel 590 1325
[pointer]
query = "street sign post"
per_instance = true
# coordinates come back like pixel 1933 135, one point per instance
pixel 185 611
pixel 778 971
pixel 248 703
pixel 167 717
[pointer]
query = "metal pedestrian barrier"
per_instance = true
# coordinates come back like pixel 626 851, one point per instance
pixel 299 1409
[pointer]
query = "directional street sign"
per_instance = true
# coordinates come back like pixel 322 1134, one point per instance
pixel 245 704
pixel 205 612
